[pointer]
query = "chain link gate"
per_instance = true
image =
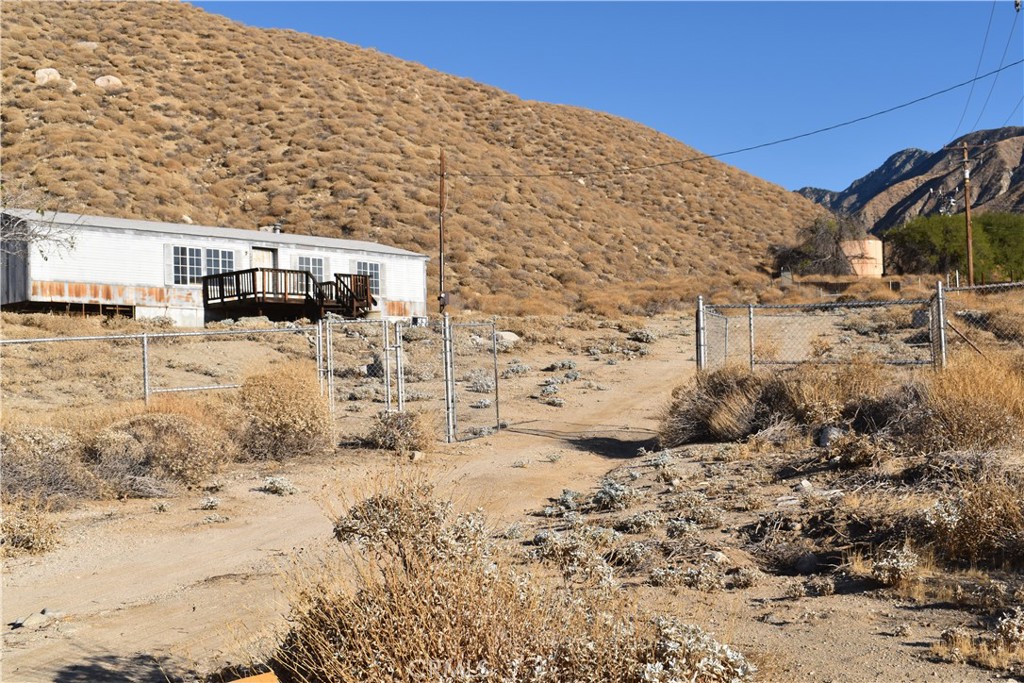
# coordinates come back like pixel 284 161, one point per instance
pixel 356 372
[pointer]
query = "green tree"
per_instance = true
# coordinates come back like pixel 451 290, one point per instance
pixel 938 244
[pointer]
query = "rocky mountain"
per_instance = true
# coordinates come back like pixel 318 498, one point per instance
pixel 162 111
pixel 915 182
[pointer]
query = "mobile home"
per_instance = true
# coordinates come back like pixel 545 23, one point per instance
pixel 194 274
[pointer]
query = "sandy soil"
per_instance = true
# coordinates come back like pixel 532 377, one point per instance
pixel 139 595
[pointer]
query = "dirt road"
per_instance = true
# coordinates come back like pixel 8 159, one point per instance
pixel 139 593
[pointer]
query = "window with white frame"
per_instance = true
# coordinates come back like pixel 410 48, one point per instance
pixel 312 265
pixel 219 261
pixel 372 270
pixel 188 265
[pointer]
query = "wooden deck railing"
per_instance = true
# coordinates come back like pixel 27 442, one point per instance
pixel 347 294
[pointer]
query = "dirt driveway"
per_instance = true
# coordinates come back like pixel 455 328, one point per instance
pixel 135 594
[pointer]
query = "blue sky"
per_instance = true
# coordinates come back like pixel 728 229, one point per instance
pixel 717 76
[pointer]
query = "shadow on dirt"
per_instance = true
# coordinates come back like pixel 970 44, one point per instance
pixel 609 447
pixel 608 442
pixel 110 668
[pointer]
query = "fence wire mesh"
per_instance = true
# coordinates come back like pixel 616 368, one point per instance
pixel 365 367
pixel 422 372
pixel 985 317
pixel 359 369
pixel 477 406
pixel 43 374
pixel 890 332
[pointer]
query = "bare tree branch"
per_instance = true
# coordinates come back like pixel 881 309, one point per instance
pixel 25 223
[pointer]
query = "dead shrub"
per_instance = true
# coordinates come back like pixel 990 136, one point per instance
pixel 975 403
pixel 401 432
pixel 135 455
pixel 27 528
pixel 816 395
pixel 473 613
pixel 285 414
pixel 720 405
pixel 852 450
pixel 980 521
pixel 45 464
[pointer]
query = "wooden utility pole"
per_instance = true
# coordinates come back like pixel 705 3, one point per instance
pixel 442 295
pixel 967 213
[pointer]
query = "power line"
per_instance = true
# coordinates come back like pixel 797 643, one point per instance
pixel 1019 102
pixel 702 157
pixel 1009 39
pixel 984 44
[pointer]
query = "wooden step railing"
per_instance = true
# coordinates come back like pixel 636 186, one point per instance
pixel 354 291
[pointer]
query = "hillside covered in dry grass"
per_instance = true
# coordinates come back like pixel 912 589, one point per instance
pixel 241 127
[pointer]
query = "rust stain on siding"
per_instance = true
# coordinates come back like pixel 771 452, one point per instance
pixel 397 309
pixel 121 295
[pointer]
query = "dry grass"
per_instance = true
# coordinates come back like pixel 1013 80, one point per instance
pixel 45 464
pixel 27 527
pixel 719 405
pixel 977 403
pixel 437 600
pixel 980 520
pixel 136 455
pixel 401 432
pixel 732 403
pixel 286 415
pixel 327 137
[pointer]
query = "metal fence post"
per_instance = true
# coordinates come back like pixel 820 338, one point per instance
pixel 330 368
pixel 494 353
pixel 145 366
pixel 702 342
pixel 449 378
pixel 750 324
pixel 725 351
pixel 400 366
pixel 940 306
pixel 387 366
pixel 320 354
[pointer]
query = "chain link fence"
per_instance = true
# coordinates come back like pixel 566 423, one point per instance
pixel 97 370
pixel 365 367
pixel 476 401
pixel 985 317
pixel 421 369
pixel 358 369
pixel 891 332
pixel 910 332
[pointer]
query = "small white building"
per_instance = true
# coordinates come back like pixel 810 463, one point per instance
pixel 194 274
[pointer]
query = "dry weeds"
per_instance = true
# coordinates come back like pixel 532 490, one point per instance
pixel 286 414
pixel 437 600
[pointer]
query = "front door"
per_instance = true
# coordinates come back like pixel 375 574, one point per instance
pixel 264 258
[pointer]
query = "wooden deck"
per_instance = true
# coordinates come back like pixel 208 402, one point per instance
pixel 279 293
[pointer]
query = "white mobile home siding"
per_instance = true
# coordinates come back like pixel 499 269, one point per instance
pixel 129 263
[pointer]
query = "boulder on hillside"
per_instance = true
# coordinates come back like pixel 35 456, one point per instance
pixel 109 82
pixel 87 44
pixel 47 75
